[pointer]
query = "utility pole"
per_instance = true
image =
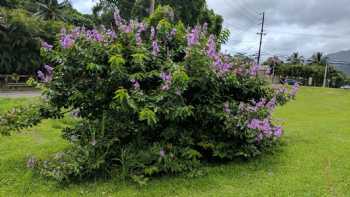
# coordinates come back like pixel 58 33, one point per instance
pixel 325 75
pixel 261 33
pixel 151 7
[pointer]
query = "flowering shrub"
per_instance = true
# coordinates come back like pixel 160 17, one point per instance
pixel 154 100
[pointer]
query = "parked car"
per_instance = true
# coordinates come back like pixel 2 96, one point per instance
pixel 347 87
pixel 289 81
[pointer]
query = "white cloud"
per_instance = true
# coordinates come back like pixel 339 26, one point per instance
pixel 84 6
pixel 291 25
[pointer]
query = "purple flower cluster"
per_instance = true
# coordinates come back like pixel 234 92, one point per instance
pixel 265 128
pixel 117 18
pixel 94 35
pixel 155 48
pixel 211 47
pixel 111 34
pixel 257 106
pixel 193 36
pixel 46 46
pixel 153 33
pixel 46 76
pixel 66 41
pixel 141 28
pixel 253 71
pixel 221 63
pixel 166 77
pixel 294 90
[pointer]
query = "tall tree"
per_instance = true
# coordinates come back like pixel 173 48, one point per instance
pixel 319 58
pixel 295 58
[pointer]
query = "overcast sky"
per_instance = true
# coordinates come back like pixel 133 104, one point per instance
pixel 305 26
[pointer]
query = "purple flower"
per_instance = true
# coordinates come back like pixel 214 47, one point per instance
pixel 259 137
pixel 47 76
pixel 162 153
pixel 193 36
pixel 76 113
pixel 253 71
pixel 211 47
pixel 135 84
pixel 271 104
pixel 127 28
pixel 155 48
pixel 31 162
pixel 41 75
pixel 254 124
pixel 227 107
pixel 153 33
pixel 173 32
pixel 166 77
pixel 277 132
pixel 138 39
pixel 263 126
pixel 205 28
pixel 66 41
pixel 117 19
pixel 94 35
pixel 46 46
pixel 48 69
pixel 141 27
pixel 294 90
pixel 111 34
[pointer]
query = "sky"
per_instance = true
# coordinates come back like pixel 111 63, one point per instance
pixel 304 26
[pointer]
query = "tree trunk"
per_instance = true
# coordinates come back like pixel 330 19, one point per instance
pixel 151 7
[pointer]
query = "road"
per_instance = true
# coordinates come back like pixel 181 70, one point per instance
pixel 19 94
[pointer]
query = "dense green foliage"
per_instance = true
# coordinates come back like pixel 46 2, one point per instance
pixel 313 160
pixel 22 28
pixel 20 36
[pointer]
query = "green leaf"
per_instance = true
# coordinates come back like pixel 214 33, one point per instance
pixel 121 96
pixel 148 115
pixel 116 62
pixel 93 67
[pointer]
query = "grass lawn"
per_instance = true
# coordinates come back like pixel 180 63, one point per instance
pixel 315 160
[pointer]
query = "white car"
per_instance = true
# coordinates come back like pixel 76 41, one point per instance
pixel 347 87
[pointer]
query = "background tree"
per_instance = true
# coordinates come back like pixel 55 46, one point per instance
pixel 295 58
pixel 189 12
pixel 319 58
pixel 51 9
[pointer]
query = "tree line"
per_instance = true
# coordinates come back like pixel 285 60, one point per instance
pixel 25 23
pixel 298 67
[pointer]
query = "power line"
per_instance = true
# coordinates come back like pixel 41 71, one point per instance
pixel 251 12
pixel 239 9
pixel 311 35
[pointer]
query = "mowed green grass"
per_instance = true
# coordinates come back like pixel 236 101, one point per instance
pixel 314 161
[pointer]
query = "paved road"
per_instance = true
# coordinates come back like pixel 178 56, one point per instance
pixel 19 94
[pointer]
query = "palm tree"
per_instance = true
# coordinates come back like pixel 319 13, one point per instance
pixel 51 9
pixel 295 58
pixel 319 58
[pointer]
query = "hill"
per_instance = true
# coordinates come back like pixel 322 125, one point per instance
pixel 341 56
